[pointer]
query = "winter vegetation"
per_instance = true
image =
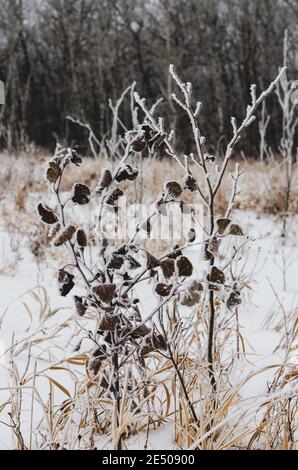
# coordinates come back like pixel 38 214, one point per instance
pixel 148 255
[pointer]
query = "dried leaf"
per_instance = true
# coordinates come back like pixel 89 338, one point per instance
pixel 112 200
pixel 81 238
pixel 133 263
pixel 142 330
pixel 168 267
pixel 214 245
pixel 217 276
pixel 234 299
pixel 65 236
pixel 222 225
pixel 116 262
pixel 138 145
pixel 75 158
pixel 47 214
pixel 191 183
pixel 159 342
pixel 193 295
pixel 54 230
pixel 108 322
pixel 152 262
pixel 163 289
pixel 98 355
pixel 81 194
pixel 105 181
pixel 174 189
pixel 53 172
pixel 105 292
pixel 236 230
pixel 65 282
pixel 81 307
pixel 185 267
pixel 126 173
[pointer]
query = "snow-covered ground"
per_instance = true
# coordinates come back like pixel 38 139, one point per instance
pixel 31 310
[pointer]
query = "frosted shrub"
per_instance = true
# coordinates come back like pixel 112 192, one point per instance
pixel 123 338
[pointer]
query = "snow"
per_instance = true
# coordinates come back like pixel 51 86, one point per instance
pixel 29 297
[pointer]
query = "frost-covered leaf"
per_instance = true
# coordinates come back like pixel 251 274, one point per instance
pixel 216 276
pixel 47 214
pixel 108 322
pixel 191 183
pixel 81 194
pixel 81 306
pixel 174 189
pixel 184 266
pixel 116 262
pixel 64 236
pixel 126 173
pixel 105 292
pixel 152 262
pixel 113 198
pixel 53 172
pixel 236 230
pixel 222 225
pixel 65 282
pixel 81 238
pixel 163 289
pixel 168 267
pixel 105 181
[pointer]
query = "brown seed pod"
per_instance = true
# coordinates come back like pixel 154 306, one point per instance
pixel 81 238
pixel 81 307
pixel 184 266
pixel 168 267
pixel 112 200
pixel 152 262
pixel 105 292
pixel 217 276
pixel 65 282
pixel 53 172
pixel 47 214
pixel 163 289
pixel 65 236
pixel 81 194
pixel 108 322
pixel 174 189
pixel 191 183
pixel 105 181
pixel 236 230
pixel 222 225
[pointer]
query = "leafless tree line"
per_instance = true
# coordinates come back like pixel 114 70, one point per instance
pixel 68 57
